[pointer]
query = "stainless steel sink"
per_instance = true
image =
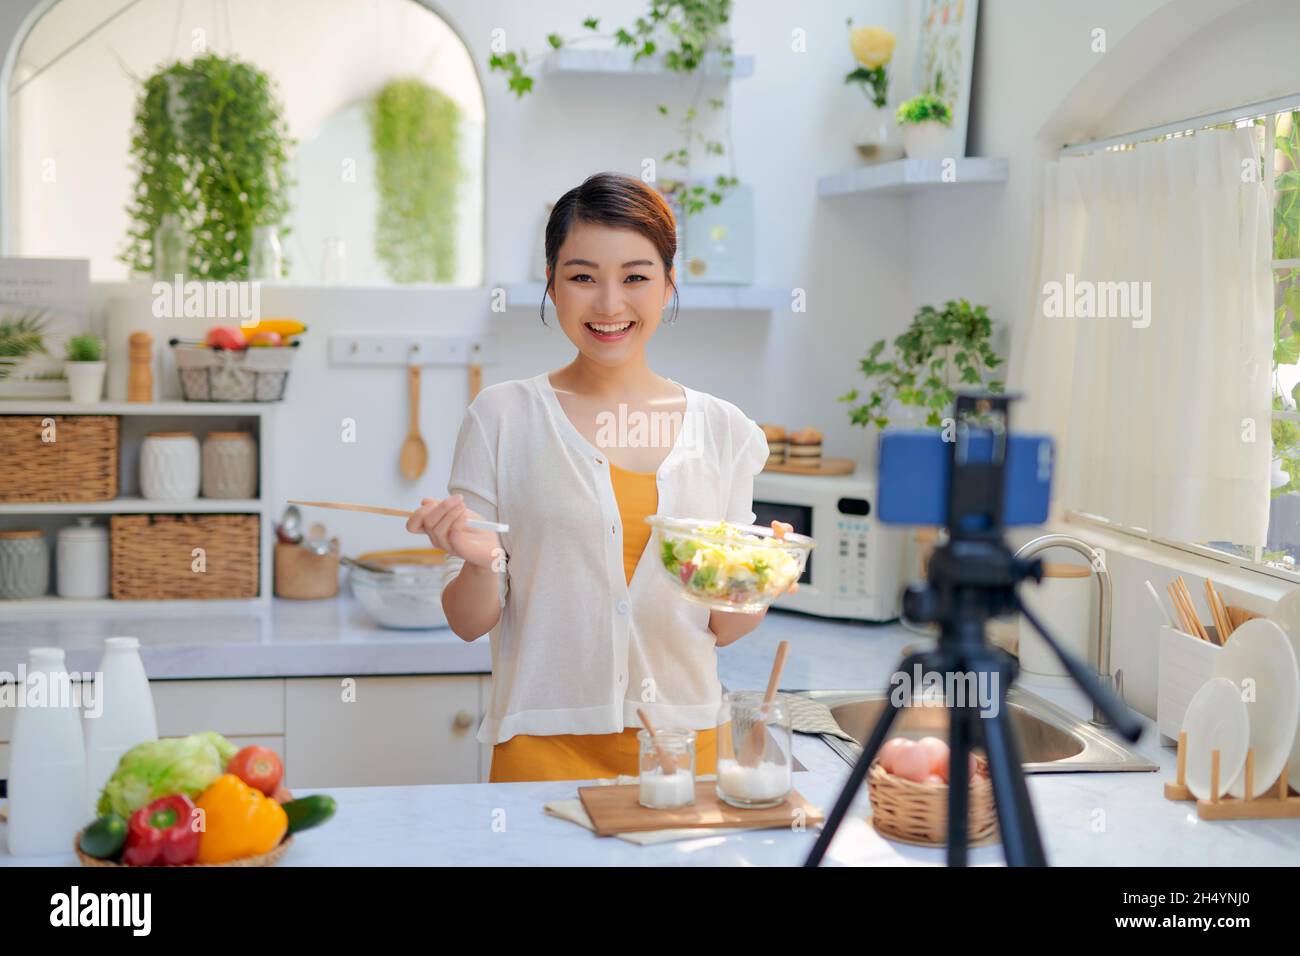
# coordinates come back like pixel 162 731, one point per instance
pixel 1051 739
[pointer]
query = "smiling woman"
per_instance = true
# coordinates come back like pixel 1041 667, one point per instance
pixel 586 631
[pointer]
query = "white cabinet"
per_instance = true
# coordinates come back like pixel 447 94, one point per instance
pixel 369 732
pixel 382 731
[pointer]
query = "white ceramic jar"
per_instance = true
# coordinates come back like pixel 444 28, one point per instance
pixel 81 557
pixel 229 465
pixel 24 564
pixel 169 466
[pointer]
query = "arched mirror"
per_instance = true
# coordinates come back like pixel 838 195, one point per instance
pixel 353 132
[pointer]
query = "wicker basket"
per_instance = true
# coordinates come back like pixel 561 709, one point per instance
pixel 222 375
pixel 912 812
pixel 78 464
pixel 153 556
pixel 263 859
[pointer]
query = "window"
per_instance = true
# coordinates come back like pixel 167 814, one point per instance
pixel 71 107
pixel 1280 167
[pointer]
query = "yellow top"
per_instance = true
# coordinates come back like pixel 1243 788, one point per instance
pixel 595 756
pixel 637 494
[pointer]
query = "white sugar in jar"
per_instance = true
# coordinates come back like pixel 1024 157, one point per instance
pixel 667 764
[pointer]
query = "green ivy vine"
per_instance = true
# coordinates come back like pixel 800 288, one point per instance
pixel 415 135
pixel 209 144
pixel 688 32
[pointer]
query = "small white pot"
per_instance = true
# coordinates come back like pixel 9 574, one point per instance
pixel 169 466
pixel 85 381
pixel 924 140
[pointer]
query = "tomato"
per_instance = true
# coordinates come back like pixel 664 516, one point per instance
pixel 259 767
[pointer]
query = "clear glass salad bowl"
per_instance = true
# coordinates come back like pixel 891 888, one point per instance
pixel 728 567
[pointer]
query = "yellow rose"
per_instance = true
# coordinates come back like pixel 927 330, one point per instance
pixel 871 46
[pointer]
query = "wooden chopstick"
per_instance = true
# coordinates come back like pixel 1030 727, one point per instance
pixel 1217 610
pixel 1191 609
pixel 396 513
pixel 752 750
pixel 1185 613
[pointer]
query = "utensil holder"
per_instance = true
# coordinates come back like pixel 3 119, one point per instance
pixel 1186 663
pixel 303 575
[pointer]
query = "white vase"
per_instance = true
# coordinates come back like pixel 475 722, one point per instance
pixel 925 140
pixel 85 381
pixel 169 466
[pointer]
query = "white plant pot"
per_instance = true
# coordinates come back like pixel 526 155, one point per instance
pixel 924 140
pixel 85 381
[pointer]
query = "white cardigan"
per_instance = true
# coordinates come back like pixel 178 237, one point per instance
pixel 578 649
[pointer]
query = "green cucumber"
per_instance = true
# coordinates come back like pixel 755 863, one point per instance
pixel 307 812
pixel 104 838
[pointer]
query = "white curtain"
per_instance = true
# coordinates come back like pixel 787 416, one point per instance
pixel 1162 420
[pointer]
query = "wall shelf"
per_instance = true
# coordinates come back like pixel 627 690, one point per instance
pixel 720 298
pixel 205 416
pixel 134 505
pixel 577 62
pixel 62 406
pixel 914 176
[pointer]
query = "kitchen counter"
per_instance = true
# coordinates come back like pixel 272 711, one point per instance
pixel 1098 819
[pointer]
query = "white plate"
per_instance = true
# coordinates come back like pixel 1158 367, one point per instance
pixel 1216 718
pixel 1287 613
pixel 1258 658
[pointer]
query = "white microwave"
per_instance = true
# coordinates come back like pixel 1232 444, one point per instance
pixel 856 569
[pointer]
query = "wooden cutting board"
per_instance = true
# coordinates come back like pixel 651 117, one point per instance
pixel 616 810
pixel 828 466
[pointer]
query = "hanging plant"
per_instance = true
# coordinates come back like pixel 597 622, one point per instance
pixel 210 145
pixel 691 32
pixel 415 135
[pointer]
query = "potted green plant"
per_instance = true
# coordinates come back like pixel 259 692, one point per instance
pixel 873 48
pixel 941 350
pixel 210 151
pixel 925 119
pixel 21 336
pixel 84 367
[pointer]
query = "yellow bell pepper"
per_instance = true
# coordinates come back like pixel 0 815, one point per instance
pixel 238 821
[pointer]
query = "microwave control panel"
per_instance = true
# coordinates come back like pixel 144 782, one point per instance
pixel 852 535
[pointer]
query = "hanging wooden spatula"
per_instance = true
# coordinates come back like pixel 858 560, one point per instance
pixel 415 454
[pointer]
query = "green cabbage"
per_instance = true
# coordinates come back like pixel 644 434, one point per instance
pixel 160 768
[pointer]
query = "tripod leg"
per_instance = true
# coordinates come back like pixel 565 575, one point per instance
pixel 959 743
pixel 858 774
pixel 1020 840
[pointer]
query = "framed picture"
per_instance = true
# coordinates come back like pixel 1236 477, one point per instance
pixel 943 32
pixel 43 303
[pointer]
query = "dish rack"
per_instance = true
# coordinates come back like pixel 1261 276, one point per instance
pixel 1186 662
pixel 223 375
pixel 1275 803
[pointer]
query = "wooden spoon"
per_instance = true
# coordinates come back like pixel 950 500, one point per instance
pixel 754 746
pixel 667 762
pixel 415 454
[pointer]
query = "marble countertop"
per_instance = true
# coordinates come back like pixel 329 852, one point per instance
pixel 1090 819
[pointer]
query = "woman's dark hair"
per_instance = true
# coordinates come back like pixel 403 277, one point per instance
pixel 620 202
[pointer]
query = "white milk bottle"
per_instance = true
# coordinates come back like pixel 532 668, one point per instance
pixel 119 715
pixel 47 764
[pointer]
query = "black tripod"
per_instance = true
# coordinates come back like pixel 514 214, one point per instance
pixel 973 577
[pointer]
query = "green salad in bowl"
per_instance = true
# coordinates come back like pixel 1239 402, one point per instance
pixel 727 566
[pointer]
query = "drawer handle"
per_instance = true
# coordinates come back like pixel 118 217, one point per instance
pixel 464 719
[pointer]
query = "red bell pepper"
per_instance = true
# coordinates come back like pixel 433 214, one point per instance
pixel 162 833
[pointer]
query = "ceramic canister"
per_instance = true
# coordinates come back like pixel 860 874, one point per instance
pixel 169 466
pixel 229 465
pixel 82 560
pixel 24 564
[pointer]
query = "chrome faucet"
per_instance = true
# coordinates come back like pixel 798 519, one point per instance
pixel 1116 683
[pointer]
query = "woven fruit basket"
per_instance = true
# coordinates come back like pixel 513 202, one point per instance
pixel 262 859
pixel 225 375
pixel 917 813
